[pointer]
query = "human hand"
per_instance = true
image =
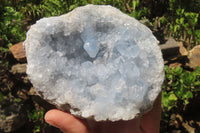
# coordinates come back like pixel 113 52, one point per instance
pixel 149 123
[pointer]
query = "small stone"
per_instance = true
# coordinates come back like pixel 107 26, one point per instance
pixel 32 91
pixel 179 117
pixel 188 127
pixel 183 51
pixel 22 94
pixel 95 62
pixel 176 64
pixel 170 49
pixel 18 69
pixel 18 52
pixel 194 57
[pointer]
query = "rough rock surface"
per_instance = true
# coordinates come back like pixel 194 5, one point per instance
pixel 194 57
pixel 18 52
pixel 96 61
pixel 18 69
pixel 170 49
pixel 182 50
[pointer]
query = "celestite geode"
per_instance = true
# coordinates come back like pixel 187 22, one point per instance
pixel 97 61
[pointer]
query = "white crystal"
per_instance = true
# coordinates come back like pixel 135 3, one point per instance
pixel 91 47
pixel 96 59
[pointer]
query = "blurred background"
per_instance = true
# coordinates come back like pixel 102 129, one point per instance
pixel 175 23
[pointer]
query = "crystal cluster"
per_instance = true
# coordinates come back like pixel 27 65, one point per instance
pixel 95 61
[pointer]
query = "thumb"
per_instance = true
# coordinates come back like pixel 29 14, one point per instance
pixel 65 121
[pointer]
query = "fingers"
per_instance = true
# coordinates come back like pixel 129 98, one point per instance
pixel 65 122
pixel 150 122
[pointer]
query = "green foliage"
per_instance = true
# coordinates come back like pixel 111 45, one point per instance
pixel 197 35
pixel 168 100
pixel 35 115
pixel 17 100
pixel 11 27
pixel 45 8
pixel 133 7
pixel 140 13
pixel 37 118
pixel 179 86
pixel 182 21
